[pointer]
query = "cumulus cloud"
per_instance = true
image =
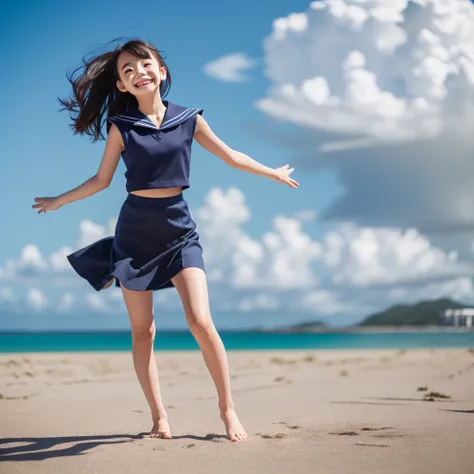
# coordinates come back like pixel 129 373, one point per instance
pixel 36 299
pixel 32 263
pixel 323 275
pixel 96 302
pixel 281 259
pixel 383 94
pixel 230 68
pixel 325 302
pixel 349 270
pixel 90 232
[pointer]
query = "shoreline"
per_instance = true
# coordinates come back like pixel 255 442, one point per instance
pixel 282 330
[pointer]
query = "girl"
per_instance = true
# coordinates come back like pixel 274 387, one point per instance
pixel 156 244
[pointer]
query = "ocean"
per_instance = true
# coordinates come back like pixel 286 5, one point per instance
pixel 184 341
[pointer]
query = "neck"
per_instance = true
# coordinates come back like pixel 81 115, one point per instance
pixel 152 106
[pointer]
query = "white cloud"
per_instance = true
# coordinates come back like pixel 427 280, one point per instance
pixel 388 88
pixel 91 232
pixel 58 260
pixel 348 269
pixel 96 302
pixel 384 79
pixel 36 299
pixel 320 275
pixel 281 259
pixel 361 257
pixel 230 68
pixel 324 302
pixel 32 265
pixel 258 301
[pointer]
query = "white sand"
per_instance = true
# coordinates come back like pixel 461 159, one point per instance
pixel 305 412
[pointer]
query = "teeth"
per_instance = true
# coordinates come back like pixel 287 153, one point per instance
pixel 143 83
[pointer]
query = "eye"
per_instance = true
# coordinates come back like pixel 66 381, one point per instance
pixel 148 64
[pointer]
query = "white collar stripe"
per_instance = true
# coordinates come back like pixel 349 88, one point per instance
pixel 146 122
pixel 187 113
pixel 178 117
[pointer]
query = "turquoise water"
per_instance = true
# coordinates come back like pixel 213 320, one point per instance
pixel 120 341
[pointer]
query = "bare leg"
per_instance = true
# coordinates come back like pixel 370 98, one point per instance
pixel 140 311
pixel 192 288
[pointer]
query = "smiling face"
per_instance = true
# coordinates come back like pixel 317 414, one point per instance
pixel 139 76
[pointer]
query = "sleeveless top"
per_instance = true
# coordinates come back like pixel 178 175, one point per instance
pixel 157 157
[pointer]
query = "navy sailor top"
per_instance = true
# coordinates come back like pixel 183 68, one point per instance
pixel 157 157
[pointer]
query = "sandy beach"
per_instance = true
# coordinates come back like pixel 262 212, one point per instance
pixel 331 411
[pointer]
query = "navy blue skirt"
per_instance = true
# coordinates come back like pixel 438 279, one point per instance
pixel 155 238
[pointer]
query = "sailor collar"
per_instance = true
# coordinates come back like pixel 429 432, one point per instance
pixel 174 115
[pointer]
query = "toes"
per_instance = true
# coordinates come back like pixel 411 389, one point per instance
pixel 233 437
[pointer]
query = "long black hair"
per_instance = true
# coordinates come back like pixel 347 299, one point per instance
pixel 95 93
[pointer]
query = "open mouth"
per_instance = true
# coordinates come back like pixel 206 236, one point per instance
pixel 144 83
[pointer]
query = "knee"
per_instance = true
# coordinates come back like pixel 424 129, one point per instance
pixel 143 335
pixel 200 323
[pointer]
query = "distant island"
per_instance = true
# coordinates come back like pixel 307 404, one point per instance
pixel 423 315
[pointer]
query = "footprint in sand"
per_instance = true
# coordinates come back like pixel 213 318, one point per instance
pixel 24 397
pixel 371 428
pixel 368 428
pixel 374 445
pixel 266 436
pixel 345 433
pixel 282 379
pixel 281 361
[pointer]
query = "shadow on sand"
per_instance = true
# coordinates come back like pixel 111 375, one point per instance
pixel 37 449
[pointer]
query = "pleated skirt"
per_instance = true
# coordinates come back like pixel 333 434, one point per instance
pixel 155 238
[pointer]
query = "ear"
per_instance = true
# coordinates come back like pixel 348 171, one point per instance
pixel 164 73
pixel 121 87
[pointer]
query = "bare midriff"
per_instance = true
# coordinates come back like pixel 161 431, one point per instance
pixel 159 192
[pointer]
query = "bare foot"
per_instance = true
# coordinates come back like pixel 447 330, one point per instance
pixel 235 430
pixel 161 429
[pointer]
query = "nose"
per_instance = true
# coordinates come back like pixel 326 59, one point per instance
pixel 140 70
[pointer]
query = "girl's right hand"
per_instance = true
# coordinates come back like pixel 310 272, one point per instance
pixel 47 204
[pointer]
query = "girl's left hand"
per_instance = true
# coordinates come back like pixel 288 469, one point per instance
pixel 282 175
pixel 47 204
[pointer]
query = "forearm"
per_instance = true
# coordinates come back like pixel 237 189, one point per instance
pixel 87 188
pixel 243 162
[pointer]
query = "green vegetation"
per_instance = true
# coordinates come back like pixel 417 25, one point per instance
pixel 423 313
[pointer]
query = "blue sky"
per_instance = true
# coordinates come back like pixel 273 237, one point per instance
pixel 41 157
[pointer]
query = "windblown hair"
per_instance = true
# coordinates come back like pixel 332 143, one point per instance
pixel 95 93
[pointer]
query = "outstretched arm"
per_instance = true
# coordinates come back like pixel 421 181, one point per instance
pixel 101 180
pixel 208 140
